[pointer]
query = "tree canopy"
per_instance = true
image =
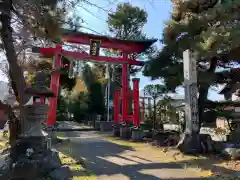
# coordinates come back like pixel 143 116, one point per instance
pixel 29 23
pixel 127 22
pixel 155 91
pixel 166 112
pixel 211 30
pixel 92 80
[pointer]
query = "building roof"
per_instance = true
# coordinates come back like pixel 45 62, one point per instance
pixel 177 103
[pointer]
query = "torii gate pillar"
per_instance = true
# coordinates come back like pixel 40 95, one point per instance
pixel 54 87
pixel 124 91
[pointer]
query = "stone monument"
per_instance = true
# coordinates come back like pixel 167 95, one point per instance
pixel 190 142
pixel 191 92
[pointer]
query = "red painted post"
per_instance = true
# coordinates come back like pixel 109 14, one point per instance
pixel 54 87
pixel 124 90
pixel 116 106
pixel 136 109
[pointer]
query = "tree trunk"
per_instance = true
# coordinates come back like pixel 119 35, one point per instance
pixel 203 92
pixel 14 127
pixel 13 85
pixel 15 70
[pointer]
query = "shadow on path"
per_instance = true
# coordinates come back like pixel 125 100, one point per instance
pixel 106 159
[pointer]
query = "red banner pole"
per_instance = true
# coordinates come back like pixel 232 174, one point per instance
pixel 116 106
pixel 54 87
pixel 136 109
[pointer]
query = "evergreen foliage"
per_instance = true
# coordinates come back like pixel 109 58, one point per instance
pixel 26 23
pixel 155 91
pixel 96 99
pixel 208 28
pixel 127 23
pixel 78 106
pixel 211 30
pixel 166 112
pixel 95 90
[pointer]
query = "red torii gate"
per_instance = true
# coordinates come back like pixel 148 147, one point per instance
pixel 96 42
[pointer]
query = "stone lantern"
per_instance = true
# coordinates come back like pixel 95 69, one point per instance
pixel 30 156
pixel 36 109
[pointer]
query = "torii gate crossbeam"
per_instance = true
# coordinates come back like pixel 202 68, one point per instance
pixel 85 56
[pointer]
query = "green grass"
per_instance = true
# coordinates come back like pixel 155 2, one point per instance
pixel 3 142
pixel 69 156
pixel 120 142
pixel 61 135
pixel 77 167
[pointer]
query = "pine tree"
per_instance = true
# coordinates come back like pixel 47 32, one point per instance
pixel 127 23
pixel 211 30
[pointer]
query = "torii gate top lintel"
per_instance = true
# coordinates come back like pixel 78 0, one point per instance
pixel 128 46
pixel 125 46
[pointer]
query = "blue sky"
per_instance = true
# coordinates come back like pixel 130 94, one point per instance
pixel 158 13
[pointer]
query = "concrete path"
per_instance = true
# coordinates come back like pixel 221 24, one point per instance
pixel 71 125
pixel 109 160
